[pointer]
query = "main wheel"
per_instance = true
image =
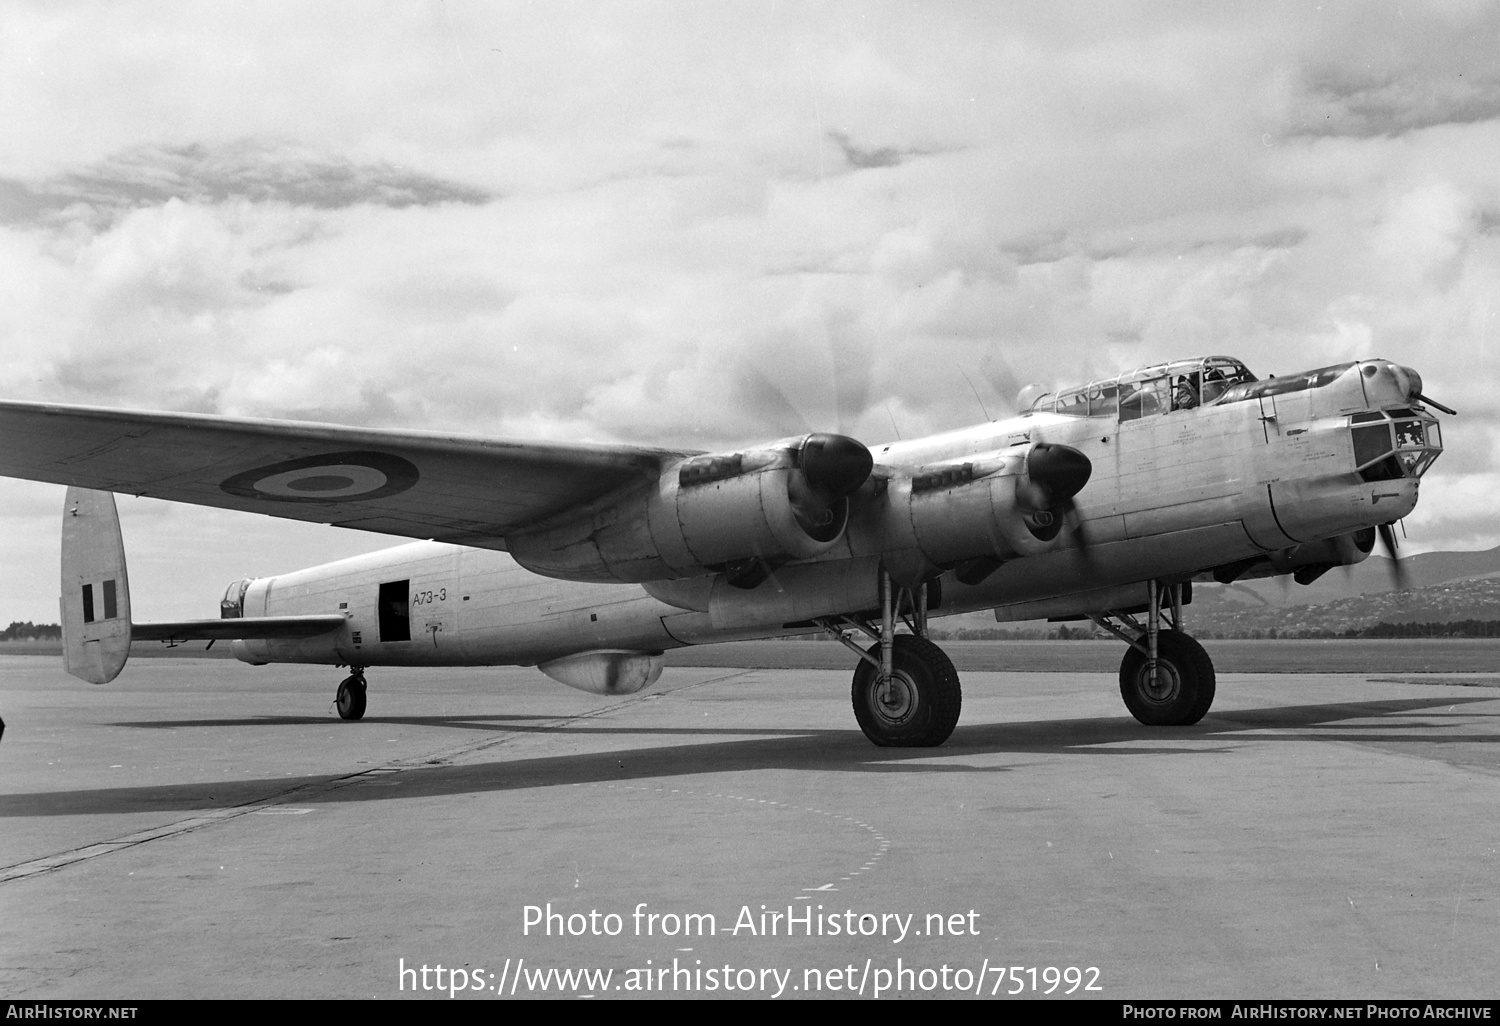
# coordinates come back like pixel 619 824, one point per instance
pixel 351 698
pixel 1182 688
pixel 919 706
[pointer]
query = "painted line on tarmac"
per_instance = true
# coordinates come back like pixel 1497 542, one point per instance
pixel 310 792
pixel 870 864
pixel 1449 682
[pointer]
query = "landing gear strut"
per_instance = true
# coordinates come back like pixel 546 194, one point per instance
pixel 906 692
pixel 351 696
pixel 1166 678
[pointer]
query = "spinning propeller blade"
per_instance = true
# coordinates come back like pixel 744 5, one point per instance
pixel 1388 542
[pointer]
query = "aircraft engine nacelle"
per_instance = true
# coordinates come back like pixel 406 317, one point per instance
pixel 1311 560
pixel 606 671
pixel 734 513
pixel 1306 562
pixel 1010 504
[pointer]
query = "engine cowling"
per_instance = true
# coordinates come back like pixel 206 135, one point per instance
pixel 710 514
pixel 1306 562
pixel 1011 503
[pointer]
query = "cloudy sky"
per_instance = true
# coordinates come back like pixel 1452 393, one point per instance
pixel 706 223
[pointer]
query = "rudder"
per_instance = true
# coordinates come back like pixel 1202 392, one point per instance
pixel 95 589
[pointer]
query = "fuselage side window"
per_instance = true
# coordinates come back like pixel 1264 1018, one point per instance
pixel 1104 399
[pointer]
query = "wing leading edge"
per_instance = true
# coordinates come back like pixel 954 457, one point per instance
pixel 453 488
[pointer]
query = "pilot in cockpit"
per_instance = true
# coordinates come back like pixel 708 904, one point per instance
pixel 1184 393
pixel 1214 384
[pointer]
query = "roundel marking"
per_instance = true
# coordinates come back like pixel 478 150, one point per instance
pixel 333 477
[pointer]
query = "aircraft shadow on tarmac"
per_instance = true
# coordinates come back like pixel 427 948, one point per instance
pixel 823 751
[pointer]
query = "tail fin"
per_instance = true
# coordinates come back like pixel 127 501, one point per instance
pixel 95 588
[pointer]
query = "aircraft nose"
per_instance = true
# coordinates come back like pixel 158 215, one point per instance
pixel 1061 469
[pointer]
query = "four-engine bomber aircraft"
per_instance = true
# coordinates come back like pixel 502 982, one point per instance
pixel 1102 501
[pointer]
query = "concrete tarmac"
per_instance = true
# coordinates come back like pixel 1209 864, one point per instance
pixel 206 829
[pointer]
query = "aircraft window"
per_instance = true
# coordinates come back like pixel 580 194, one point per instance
pixel 1386 451
pixel 1371 443
pixel 1409 434
pixel 1043 403
pixel 1416 463
pixel 1185 392
pixel 1143 398
pixel 1221 373
pixel 1419 443
pixel 1434 435
pixel 1388 469
pixel 1214 384
pixel 1104 399
pixel 1073 403
pixel 232 605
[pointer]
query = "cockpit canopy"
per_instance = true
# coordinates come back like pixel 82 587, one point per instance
pixel 1150 390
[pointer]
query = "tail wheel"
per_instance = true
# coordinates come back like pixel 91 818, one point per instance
pixel 1181 690
pixel 919 706
pixel 351 698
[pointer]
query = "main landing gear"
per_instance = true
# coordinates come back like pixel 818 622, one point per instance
pixel 906 692
pixel 1166 678
pixel 350 700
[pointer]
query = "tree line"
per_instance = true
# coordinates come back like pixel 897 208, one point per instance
pixel 20 630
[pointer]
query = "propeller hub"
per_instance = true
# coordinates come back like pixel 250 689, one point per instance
pixel 834 465
pixel 1061 469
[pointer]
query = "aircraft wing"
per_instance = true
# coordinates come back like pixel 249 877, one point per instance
pixel 249 628
pixel 452 488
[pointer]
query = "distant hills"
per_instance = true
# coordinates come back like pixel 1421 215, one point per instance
pixel 1462 606
pixel 1372 576
pixel 1446 592
pixel 1443 588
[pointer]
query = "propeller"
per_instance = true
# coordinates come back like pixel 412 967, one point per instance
pixel 832 468
pixel 1388 542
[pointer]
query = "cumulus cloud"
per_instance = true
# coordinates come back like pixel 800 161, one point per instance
pixel 706 226
pixel 257 171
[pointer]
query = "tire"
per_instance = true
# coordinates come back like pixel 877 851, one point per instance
pixel 920 708
pixel 351 698
pixel 1183 690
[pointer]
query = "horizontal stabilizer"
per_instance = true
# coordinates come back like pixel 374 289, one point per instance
pixel 250 628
